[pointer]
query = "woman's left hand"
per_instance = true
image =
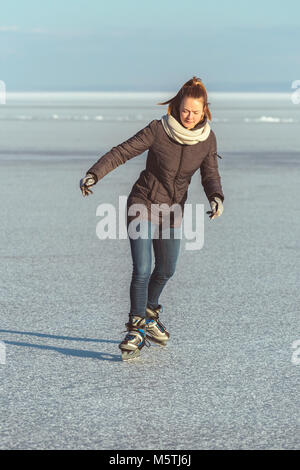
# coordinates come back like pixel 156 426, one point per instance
pixel 216 208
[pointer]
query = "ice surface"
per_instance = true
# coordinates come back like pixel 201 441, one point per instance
pixel 226 380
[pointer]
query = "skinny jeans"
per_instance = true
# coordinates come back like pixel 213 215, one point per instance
pixel 146 287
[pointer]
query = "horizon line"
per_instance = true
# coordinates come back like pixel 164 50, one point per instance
pixel 142 91
pixel 258 87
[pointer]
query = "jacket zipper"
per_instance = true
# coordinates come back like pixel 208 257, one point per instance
pixel 173 200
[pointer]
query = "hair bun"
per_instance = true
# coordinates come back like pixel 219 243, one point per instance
pixel 197 81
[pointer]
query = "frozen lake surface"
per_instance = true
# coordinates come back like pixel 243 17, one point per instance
pixel 229 377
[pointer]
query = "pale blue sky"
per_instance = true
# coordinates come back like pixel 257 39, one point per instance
pixel 157 45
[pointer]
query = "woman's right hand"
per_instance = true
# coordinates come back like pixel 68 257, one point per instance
pixel 85 183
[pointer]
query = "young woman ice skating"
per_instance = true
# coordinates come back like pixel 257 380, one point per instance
pixel 178 144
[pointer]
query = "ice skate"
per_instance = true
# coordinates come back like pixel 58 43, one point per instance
pixel 155 330
pixel 135 338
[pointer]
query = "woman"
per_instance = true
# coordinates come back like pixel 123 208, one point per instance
pixel 178 144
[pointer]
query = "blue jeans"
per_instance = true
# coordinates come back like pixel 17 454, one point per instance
pixel 145 288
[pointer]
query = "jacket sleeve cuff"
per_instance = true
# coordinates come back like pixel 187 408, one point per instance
pixel 211 197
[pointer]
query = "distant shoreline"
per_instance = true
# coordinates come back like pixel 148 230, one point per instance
pixel 224 87
pixel 11 95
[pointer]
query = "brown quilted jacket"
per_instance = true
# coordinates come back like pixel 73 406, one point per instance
pixel 169 166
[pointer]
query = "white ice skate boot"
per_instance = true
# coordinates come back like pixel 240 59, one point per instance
pixel 135 338
pixel 155 330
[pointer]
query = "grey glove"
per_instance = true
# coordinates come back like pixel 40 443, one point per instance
pixel 86 182
pixel 216 208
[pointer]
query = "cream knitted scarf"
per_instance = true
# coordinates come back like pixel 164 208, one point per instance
pixel 182 135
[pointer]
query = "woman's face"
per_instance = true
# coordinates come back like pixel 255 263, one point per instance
pixel 191 111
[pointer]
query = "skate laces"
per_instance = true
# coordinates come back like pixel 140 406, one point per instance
pixel 160 324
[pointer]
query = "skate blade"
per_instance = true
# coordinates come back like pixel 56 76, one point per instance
pixel 130 355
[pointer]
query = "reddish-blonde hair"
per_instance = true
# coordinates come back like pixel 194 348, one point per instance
pixel 194 88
